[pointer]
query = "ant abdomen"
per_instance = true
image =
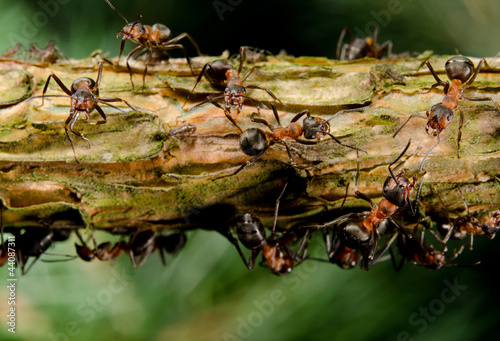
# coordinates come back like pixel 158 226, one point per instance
pixel 460 68
pixel 253 141
pixel 250 231
pixel 352 235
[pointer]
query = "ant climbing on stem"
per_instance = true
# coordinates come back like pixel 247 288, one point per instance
pixel 84 96
pixel 461 74
pixel 256 142
pixel 149 37
pixel 360 230
pixel 220 73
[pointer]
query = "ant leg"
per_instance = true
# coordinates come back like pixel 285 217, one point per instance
pixel 369 264
pixel 276 209
pixel 260 120
pixel 478 99
pixel 365 198
pixel 266 90
pixel 289 152
pixel 476 72
pixel 59 82
pixel 108 100
pixel 341 38
pixel 132 53
pixel 412 115
pixel 249 162
pixel 99 110
pixel 460 124
pixel 203 71
pixel 249 72
pixel 179 46
pixel 386 45
pixel 182 36
pixel 146 63
pixel 346 145
pixel 446 84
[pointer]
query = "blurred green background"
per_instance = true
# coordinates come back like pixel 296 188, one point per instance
pixel 206 293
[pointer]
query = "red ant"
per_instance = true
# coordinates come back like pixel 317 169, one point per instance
pixel 103 251
pixel 48 54
pixel 255 142
pixel 414 250
pixel 461 73
pixel 84 96
pixel 221 74
pixel 461 226
pixel 360 231
pixel 276 252
pixel 360 48
pixel 157 36
pixel 492 225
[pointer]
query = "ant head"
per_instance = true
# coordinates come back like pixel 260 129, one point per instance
pixel 397 193
pixel 315 127
pixel 235 90
pixel 133 31
pixel 460 68
pixel 83 81
pixel 439 116
pixel 253 141
pixel 250 231
pixel 492 225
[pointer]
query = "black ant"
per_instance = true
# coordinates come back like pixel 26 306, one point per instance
pixel 360 48
pixel 276 252
pixel 256 142
pixel 461 73
pixel 157 36
pixel 34 242
pixel 84 96
pixel 360 230
pixel 221 74
pixel 142 244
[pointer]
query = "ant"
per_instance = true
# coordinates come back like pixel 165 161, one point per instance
pixel 360 231
pixel 84 96
pixel 103 251
pixel 34 242
pixel 360 48
pixel 461 226
pixel 157 36
pixel 221 74
pixel 416 251
pixel 492 225
pixel 461 73
pixel 256 142
pixel 48 54
pixel 276 252
pixel 142 244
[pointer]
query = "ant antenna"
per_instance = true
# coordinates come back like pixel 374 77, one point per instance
pixel 121 15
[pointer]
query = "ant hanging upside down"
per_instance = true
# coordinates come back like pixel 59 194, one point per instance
pixel 221 74
pixel 148 37
pixel 461 73
pixel 256 142
pixel 84 96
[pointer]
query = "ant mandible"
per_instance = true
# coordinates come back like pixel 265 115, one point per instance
pixel 255 142
pixel 220 73
pixel 461 73
pixel 84 96
pixel 360 230
pixel 157 36
pixel 360 48
pixel 276 252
